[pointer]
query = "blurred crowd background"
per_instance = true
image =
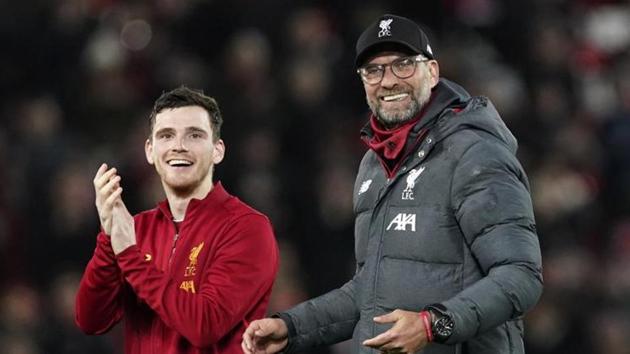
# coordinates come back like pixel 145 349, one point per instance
pixel 78 79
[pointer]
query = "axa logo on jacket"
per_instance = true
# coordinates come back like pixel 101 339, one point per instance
pixel 401 221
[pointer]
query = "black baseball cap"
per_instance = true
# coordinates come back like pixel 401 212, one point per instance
pixel 395 33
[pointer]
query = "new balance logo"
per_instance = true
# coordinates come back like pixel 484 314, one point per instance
pixel 365 186
pixel 401 221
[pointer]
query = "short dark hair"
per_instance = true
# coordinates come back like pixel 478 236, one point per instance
pixel 184 97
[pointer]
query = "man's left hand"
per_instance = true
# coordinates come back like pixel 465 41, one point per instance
pixel 407 335
pixel 123 230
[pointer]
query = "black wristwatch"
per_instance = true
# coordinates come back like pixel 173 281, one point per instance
pixel 442 324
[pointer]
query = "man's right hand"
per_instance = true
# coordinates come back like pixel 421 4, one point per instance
pixel 266 336
pixel 107 188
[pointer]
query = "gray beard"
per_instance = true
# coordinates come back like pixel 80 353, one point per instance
pixel 393 119
pixel 390 120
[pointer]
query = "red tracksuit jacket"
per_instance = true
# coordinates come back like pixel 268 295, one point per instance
pixel 189 292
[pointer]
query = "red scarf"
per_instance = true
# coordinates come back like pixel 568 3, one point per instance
pixel 389 145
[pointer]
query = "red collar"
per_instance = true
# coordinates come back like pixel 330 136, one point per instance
pixel 215 197
pixel 390 145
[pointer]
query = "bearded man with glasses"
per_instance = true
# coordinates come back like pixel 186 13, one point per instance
pixel 447 255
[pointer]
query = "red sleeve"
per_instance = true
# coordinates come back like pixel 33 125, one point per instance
pixel 241 274
pixel 98 303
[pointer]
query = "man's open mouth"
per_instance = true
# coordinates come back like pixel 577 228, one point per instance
pixel 179 163
pixel 394 98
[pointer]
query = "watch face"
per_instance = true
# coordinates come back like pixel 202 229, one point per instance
pixel 443 324
pixel 443 328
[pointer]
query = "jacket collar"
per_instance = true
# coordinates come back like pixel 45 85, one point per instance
pixel 444 95
pixel 215 198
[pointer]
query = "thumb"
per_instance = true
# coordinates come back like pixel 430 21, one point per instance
pixel 387 318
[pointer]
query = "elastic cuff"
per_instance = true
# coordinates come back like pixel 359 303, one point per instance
pixel 291 332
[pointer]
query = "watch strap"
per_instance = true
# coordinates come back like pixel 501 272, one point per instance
pixel 442 324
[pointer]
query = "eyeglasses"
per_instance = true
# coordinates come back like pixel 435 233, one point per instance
pixel 402 68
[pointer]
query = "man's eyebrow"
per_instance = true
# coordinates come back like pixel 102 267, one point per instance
pixel 188 129
pixel 164 130
pixel 196 130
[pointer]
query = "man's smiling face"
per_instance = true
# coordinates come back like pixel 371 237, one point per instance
pixel 182 149
pixel 394 100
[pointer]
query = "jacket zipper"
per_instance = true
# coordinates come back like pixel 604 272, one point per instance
pixel 383 198
pixel 170 258
pixel 377 262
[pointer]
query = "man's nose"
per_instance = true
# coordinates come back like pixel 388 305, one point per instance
pixel 178 144
pixel 389 79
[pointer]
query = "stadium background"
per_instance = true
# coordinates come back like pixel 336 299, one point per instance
pixel 78 77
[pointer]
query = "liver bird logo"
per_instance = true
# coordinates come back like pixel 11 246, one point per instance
pixel 385 28
pixel 194 253
pixel 412 177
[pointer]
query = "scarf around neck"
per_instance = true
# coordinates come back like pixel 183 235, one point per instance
pixel 389 145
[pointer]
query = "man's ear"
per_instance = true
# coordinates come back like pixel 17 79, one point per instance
pixel 219 152
pixel 434 72
pixel 148 151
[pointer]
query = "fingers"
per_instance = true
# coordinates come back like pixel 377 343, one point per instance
pixel 405 336
pixel 100 171
pixel 378 341
pixel 104 192
pixel 248 336
pixel 385 342
pixel 109 202
pixel 387 318
pixel 111 184
pixel 269 327
pixel 103 176
pixel 245 348
pixel 108 191
pixel 105 182
pixel 261 329
pixel 247 343
pixel 265 336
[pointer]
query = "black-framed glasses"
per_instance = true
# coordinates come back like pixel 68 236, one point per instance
pixel 402 68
